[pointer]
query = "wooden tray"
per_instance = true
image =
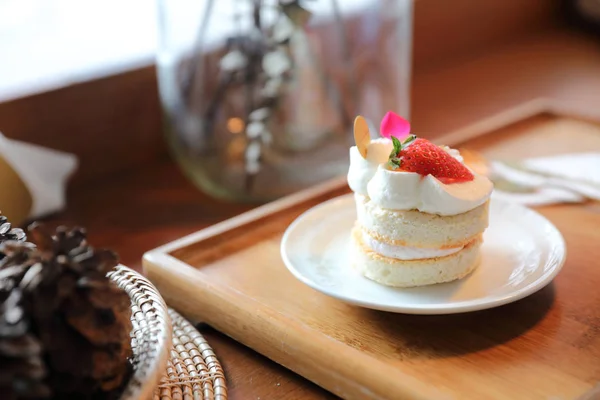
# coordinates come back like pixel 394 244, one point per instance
pixel 546 346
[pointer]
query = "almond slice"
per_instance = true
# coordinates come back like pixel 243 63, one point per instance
pixel 361 135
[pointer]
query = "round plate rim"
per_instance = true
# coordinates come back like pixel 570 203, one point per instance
pixel 431 309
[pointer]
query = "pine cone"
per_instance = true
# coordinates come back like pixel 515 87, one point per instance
pixel 81 318
pixel 22 370
pixel 8 233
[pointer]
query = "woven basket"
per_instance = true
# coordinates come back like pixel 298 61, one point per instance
pixel 151 337
pixel 193 372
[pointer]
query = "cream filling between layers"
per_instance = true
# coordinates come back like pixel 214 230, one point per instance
pixel 405 252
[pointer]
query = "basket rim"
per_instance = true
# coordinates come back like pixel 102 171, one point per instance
pixel 193 369
pixel 143 381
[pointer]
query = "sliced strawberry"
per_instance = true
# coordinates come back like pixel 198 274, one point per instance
pixel 425 158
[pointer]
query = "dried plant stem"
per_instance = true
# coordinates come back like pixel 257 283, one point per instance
pixel 213 106
pixel 252 71
pixel 190 77
pixel 347 57
pixel 255 55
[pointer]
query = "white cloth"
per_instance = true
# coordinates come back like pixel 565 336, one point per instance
pixel 565 178
pixel 43 171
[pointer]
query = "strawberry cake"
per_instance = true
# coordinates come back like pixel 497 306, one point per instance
pixel 421 212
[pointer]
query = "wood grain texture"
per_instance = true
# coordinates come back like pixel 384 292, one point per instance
pixel 544 346
pixel 443 30
pixel 112 124
pixel 252 376
pixel 138 210
pixel 562 66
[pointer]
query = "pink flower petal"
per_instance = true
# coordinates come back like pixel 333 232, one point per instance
pixel 394 125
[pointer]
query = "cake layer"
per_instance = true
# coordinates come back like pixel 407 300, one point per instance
pixel 404 252
pixel 416 229
pixel 410 273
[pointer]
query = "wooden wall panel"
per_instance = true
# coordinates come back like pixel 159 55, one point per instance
pixel 112 124
pixel 449 30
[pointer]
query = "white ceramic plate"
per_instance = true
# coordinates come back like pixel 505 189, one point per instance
pixel 522 252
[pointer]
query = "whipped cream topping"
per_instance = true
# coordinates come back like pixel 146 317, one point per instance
pixel 405 252
pixel 362 170
pixel 401 190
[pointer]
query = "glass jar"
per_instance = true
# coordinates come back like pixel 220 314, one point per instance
pixel 259 96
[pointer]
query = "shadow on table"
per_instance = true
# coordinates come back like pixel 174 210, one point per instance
pixel 432 336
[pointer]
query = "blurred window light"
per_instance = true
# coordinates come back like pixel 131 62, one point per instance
pixel 46 44
pixel 51 43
